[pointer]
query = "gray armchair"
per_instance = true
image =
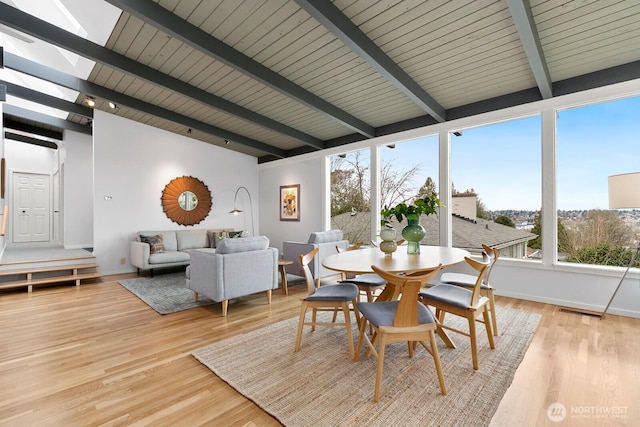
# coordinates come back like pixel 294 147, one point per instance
pixel 239 267
pixel 325 241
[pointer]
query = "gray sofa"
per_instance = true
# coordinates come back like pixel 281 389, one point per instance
pixel 325 241
pixel 239 267
pixel 174 250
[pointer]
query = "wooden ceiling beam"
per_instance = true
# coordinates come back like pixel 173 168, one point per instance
pixel 159 17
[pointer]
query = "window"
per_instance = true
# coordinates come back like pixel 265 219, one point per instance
pixel 350 195
pixel 409 169
pixel 496 180
pixel 594 142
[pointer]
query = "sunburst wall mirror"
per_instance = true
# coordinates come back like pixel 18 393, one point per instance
pixel 186 200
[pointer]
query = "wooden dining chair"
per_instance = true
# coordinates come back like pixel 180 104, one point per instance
pixel 327 297
pixel 367 283
pixel 403 320
pixel 469 281
pixel 467 303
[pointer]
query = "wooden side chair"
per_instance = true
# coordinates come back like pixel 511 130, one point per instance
pixel 326 298
pixel 403 320
pixel 469 281
pixel 368 283
pixel 467 303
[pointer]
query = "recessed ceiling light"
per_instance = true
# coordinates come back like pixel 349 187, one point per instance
pixel 90 101
pixel 112 105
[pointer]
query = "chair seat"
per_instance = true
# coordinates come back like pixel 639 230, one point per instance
pixel 450 294
pixel 339 292
pixel 461 279
pixel 370 279
pixel 383 313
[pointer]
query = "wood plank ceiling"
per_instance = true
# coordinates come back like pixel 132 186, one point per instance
pixel 279 78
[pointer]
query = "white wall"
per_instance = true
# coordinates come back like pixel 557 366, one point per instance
pixel 133 163
pixel 77 190
pixel 308 173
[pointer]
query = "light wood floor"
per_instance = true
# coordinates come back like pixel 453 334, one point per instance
pixel 97 355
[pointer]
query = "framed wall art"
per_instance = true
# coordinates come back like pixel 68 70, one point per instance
pixel 290 202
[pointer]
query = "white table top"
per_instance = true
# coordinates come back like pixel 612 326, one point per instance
pixel 359 261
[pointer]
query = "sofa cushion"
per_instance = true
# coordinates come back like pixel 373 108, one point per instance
pixel 171 256
pixel 325 236
pixel 242 244
pixel 234 234
pixel 191 239
pixel 156 243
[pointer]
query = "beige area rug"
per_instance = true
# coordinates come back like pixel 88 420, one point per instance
pixel 321 386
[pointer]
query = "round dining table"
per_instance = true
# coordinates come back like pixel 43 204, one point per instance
pixel 359 261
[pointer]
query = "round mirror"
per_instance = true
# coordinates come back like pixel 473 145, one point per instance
pixel 188 201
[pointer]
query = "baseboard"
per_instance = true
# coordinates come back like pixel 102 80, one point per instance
pixel 572 305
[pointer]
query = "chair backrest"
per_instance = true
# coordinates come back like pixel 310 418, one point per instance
pixel 349 248
pixel 493 254
pixel 408 287
pixel 305 259
pixel 481 267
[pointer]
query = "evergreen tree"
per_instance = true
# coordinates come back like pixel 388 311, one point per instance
pixel 505 220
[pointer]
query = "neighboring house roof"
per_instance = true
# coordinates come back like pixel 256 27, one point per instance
pixel 467 233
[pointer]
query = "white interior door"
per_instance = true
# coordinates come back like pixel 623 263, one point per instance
pixel 31 211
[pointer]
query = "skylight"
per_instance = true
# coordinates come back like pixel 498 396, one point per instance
pixel 94 23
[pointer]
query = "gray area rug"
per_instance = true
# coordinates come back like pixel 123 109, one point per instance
pixel 165 293
pixel 321 386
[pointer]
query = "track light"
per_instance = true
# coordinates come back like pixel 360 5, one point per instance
pixel 189 131
pixel 112 105
pixel 226 141
pixel 90 101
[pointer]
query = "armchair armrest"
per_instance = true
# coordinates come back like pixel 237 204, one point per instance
pixel 139 254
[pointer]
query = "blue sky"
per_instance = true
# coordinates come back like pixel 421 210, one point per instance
pixel 502 161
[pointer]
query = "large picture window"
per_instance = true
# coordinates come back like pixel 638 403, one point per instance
pixel 594 142
pixel 351 195
pixel 408 171
pixel 496 187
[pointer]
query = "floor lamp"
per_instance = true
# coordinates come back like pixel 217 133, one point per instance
pixel 624 193
pixel 236 211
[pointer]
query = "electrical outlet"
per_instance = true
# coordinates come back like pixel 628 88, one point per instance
pixel 123 260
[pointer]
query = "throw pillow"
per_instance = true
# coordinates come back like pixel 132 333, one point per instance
pixel 156 244
pixel 235 234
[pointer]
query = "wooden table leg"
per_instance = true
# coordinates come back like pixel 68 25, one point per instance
pixel 282 263
pixel 283 277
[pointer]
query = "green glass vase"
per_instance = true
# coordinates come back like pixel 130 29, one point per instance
pixel 413 233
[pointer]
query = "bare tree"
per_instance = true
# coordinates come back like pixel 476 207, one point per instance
pixel 600 227
pixel 397 186
pixel 350 184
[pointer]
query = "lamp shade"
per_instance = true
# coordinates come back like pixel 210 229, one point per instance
pixel 624 191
